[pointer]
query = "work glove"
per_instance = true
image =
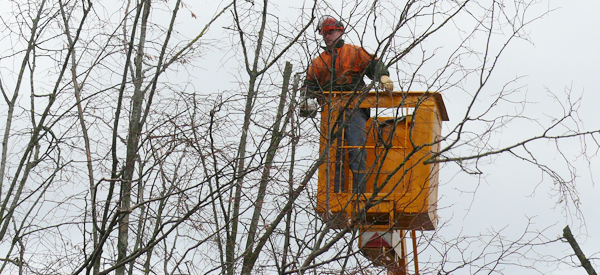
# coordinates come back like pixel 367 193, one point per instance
pixel 387 83
pixel 308 107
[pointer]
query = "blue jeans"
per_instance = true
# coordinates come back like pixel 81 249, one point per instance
pixel 355 134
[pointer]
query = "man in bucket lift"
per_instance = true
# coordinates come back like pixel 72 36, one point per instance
pixel 341 67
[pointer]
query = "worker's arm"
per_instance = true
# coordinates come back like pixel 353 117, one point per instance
pixel 376 70
pixel 308 97
pixel 310 89
pixel 309 105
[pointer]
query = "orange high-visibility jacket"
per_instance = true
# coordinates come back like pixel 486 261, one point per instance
pixel 343 69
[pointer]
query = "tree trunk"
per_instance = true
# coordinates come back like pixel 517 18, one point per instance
pixel 584 261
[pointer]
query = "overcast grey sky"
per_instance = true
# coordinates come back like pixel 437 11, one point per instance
pixel 562 57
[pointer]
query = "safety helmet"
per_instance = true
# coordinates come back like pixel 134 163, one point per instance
pixel 327 23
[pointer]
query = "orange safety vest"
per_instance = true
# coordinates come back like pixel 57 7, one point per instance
pixel 350 64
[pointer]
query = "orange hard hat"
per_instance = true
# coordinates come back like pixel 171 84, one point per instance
pixel 328 23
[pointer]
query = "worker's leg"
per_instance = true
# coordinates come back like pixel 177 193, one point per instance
pixel 339 181
pixel 340 159
pixel 356 135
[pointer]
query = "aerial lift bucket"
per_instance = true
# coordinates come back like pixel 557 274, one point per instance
pixel 401 185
